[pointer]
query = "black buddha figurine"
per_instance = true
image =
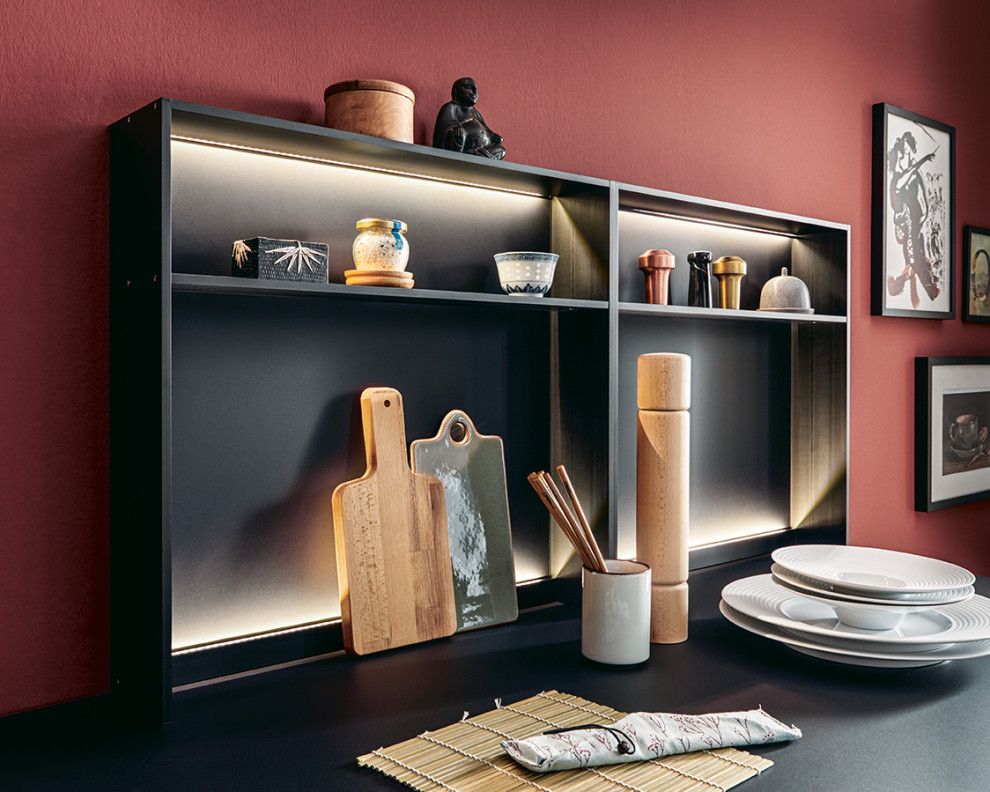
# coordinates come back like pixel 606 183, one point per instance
pixel 460 127
pixel 700 285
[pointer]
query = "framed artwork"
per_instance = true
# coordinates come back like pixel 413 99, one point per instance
pixel 913 215
pixel 976 269
pixel 952 431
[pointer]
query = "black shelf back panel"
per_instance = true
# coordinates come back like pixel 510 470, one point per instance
pixel 447 225
pixel 740 419
pixel 267 423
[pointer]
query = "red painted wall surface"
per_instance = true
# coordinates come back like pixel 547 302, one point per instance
pixel 762 103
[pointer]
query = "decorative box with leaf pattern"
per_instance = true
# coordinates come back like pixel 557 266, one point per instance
pixel 279 259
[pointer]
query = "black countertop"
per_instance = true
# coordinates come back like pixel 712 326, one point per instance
pixel 301 727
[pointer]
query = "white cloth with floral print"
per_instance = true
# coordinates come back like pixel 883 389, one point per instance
pixel 653 734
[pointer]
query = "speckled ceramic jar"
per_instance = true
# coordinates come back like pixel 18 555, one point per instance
pixel 381 245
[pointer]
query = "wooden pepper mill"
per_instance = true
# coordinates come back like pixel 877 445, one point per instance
pixel 663 395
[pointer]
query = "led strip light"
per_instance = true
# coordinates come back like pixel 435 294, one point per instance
pixel 349 165
pixel 702 221
pixel 223 643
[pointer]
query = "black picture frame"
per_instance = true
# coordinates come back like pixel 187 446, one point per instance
pixel 976 274
pixel 912 250
pixel 952 431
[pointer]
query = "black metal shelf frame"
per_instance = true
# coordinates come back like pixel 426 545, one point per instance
pixel 556 374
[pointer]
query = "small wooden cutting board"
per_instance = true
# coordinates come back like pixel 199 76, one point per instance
pixel 471 467
pixel 390 528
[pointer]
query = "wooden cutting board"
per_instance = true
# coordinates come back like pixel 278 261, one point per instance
pixel 471 467
pixel 390 528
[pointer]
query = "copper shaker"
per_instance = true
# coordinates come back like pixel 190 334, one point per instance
pixel 656 266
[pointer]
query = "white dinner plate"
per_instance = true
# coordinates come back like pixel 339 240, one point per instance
pixel 864 657
pixel 869 570
pixel 760 598
pixel 832 591
pixel 869 662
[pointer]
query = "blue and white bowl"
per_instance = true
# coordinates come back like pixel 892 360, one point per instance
pixel 526 273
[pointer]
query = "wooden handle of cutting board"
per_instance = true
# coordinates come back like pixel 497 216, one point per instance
pixel 384 424
pixel 390 528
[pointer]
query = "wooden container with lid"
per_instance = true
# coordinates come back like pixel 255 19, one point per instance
pixel 371 107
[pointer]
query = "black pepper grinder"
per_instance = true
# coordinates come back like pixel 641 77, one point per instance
pixel 700 284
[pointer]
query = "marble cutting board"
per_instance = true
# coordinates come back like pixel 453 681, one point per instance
pixel 471 467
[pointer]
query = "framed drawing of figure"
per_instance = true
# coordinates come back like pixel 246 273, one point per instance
pixel 976 269
pixel 913 215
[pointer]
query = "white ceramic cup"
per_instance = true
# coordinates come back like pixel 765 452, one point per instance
pixel 615 613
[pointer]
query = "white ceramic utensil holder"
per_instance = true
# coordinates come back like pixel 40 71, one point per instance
pixel 615 613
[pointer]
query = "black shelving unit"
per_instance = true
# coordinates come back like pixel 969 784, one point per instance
pixel 234 402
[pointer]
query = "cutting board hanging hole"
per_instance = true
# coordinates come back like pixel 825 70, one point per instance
pixel 458 432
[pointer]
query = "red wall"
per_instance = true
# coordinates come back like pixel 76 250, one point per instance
pixel 763 103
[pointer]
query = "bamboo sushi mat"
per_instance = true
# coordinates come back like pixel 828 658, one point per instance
pixel 467 756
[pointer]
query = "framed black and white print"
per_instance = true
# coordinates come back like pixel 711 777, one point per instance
pixel 913 215
pixel 976 272
pixel 952 431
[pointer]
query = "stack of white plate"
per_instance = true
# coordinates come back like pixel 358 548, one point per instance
pixel 863 606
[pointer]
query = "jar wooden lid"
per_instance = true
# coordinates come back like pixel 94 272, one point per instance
pixel 663 381
pixel 379 222
pixel 369 85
